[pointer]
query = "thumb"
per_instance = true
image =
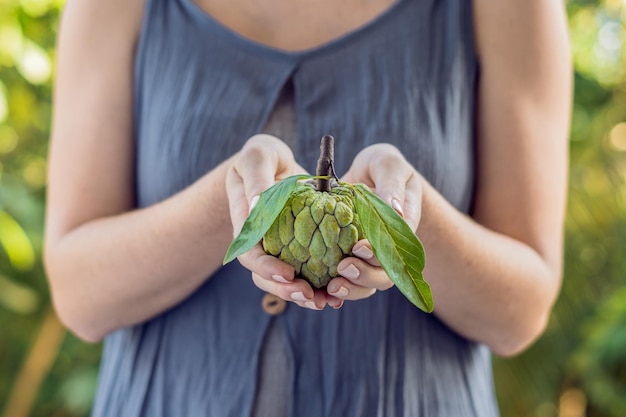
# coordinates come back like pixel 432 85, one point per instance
pixel 262 159
pixel 390 181
pixel 237 201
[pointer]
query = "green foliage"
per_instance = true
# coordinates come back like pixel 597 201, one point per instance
pixel 396 247
pixel 579 341
pixel 534 383
pixel 262 216
pixel 27 37
pixel 601 359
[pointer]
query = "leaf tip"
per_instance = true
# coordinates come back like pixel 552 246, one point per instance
pixel 227 259
pixel 231 253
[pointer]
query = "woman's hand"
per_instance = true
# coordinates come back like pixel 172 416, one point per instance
pixel 382 168
pixel 262 161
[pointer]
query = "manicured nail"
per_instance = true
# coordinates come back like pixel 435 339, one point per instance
pixel 298 296
pixel 280 278
pixel 311 305
pixel 397 206
pixel 351 272
pixel 363 252
pixel 341 292
pixel 253 202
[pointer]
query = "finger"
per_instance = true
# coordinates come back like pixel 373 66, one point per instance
pixel 237 201
pixel 258 165
pixel 333 301
pixel 363 274
pixel 390 173
pixel 298 291
pixel 413 202
pixel 267 266
pixel 257 170
pixel 359 169
pixel 320 298
pixel 263 159
pixel 344 289
pixel 363 249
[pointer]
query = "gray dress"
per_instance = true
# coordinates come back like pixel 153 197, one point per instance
pixel 408 78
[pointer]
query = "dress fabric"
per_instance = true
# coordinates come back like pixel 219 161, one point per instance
pixel 408 78
pixel 270 398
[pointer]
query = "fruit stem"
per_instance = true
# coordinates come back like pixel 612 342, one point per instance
pixel 325 165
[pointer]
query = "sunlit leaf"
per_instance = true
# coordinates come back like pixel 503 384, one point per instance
pixel 17 298
pixel 269 206
pixel 34 64
pixel 36 8
pixel 4 105
pixel 35 173
pixel 10 40
pixel 8 139
pixel 16 243
pixel 23 100
pixel 395 245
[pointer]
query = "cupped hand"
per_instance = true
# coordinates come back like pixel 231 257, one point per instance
pixel 263 161
pixel 384 169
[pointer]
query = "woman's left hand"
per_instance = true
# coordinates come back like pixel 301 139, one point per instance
pixel 385 170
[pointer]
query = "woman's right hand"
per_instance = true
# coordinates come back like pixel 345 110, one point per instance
pixel 263 161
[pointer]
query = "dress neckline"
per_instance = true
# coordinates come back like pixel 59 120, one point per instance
pixel 231 35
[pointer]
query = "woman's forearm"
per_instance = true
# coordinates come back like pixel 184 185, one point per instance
pixel 486 286
pixel 122 270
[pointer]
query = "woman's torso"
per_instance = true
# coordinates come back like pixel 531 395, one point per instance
pixel 408 78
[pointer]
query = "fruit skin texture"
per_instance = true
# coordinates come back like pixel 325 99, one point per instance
pixel 315 231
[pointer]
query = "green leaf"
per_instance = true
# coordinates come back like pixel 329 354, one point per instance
pixel 396 247
pixel 269 206
pixel 16 243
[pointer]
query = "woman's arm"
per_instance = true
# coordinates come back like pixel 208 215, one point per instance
pixel 110 266
pixel 494 277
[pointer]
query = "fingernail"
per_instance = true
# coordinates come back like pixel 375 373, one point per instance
pixel 363 252
pixel 341 292
pixel 397 206
pixel 338 306
pixel 298 296
pixel 253 202
pixel 280 278
pixel 351 272
pixel 311 305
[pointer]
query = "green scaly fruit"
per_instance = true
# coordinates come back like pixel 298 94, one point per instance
pixel 312 223
pixel 315 230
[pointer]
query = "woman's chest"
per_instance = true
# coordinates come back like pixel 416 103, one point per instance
pixel 293 25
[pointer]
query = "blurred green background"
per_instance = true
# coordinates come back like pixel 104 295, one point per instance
pixel 578 368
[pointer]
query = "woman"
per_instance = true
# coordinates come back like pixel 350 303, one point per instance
pixel 151 173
